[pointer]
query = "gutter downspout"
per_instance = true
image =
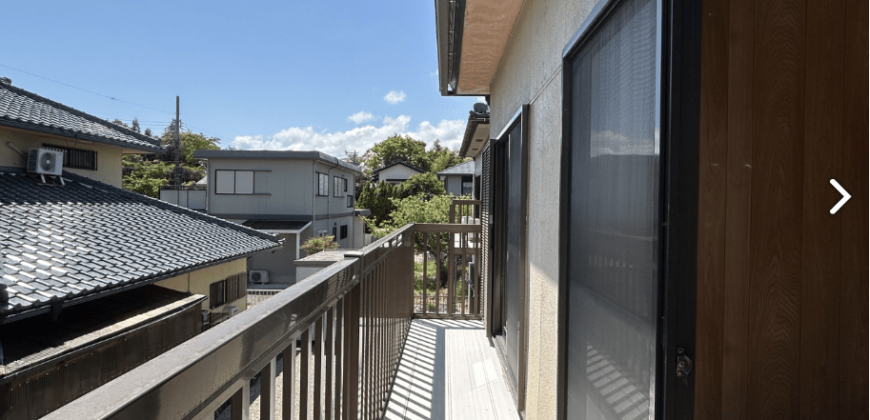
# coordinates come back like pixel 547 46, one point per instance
pixel 329 197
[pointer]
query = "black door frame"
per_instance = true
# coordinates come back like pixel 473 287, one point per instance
pixel 497 307
pixel 680 29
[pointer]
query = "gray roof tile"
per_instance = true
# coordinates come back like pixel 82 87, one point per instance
pixel 22 109
pixel 62 242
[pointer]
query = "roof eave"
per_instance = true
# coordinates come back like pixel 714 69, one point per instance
pixel 78 136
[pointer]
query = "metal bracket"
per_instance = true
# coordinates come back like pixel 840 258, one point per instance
pixel 684 365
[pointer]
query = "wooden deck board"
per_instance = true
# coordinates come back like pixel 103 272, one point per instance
pixel 449 370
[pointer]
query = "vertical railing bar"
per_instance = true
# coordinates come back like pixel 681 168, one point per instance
pixel 330 361
pixel 339 362
pixel 288 401
pixel 438 274
pixel 367 370
pixel 317 409
pixel 351 395
pixel 304 374
pixel 267 391
pixel 451 274
pixel 465 292
pixel 425 279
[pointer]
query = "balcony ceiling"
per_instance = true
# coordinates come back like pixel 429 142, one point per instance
pixel 486 26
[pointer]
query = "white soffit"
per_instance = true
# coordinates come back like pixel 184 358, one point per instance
pixel 488 25
pixel 478 140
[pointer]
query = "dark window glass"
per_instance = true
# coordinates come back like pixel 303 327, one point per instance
pixel 350 201
pixel 343 231
pixel 76 158
pixel 334 235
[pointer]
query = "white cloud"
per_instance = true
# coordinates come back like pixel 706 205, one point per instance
pixel 434 73
pixel 395 97
pixel 481 99
pixel 449 132
pixel 361 117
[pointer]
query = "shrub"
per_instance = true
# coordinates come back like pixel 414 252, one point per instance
pixel 316 244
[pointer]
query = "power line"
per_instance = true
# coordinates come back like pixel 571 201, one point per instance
pixel 85 90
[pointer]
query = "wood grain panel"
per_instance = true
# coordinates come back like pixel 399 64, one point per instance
pixel 735 355
pixel 777 196
pixel 713 153
pixel 853 170
pixel 819 312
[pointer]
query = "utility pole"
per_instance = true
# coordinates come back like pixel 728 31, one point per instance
pixel 177 175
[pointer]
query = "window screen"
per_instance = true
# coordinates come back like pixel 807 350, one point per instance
pixel 225 182
pixel 350 201
pixel 322 184
pixel 613 223
pixel 244 182
pixel 336 186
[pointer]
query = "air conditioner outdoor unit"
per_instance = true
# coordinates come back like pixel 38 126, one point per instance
pixel 45 162
pixel 258 276
pixel 231 310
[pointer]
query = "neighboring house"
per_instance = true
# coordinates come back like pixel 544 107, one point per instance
pixel 95 279
pixel 396 173
pixel 292 194
pixel 655 188
pixel 92 146
pixel 459 179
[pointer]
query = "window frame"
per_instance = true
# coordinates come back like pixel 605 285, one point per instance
pixel 320 176
pixel 336 186
pixel 75 158
pixel 350 201
pixel 235 177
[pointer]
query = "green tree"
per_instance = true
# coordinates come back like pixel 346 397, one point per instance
pixel 395 149
pixel 426 184
pixel 316 244
pixel 135 125
pixel 148 132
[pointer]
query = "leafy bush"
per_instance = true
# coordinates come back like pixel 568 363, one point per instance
pixel 316 244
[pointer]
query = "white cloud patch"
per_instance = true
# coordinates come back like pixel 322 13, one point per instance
pixel 449 132
pixel 361 117
pixel 395 97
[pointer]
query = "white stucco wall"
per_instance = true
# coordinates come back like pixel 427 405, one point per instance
pixel 396 172
pixel 531 73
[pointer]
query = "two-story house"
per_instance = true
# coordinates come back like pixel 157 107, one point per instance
pixel 293 194
pixel 96 280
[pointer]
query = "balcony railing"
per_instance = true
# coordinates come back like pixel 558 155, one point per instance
pixel 347 325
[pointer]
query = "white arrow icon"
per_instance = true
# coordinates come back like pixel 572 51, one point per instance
pixel 843 200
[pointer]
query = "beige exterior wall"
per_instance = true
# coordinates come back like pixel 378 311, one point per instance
pixel 108 157
pixel 530 72
pixel 199 281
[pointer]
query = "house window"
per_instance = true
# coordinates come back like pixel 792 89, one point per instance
pixel 350 201
pixel 322 184
pixel 467 185
pixel 343 231
pixel 336 186
pixel 344 184
pixel 227 290
pixel 76 158
pixel 234 182
pixel 334 236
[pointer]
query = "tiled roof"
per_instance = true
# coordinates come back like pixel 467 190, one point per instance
pixel 466 168
pixel 61 243
pixel 22 109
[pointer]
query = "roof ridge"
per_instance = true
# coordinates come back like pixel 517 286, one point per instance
pixel 85 115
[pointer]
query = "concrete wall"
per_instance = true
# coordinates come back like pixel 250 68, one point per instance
pixel 108 157
pixel 396 172
pixel 199 281
pixel 278 262
pixel 531 73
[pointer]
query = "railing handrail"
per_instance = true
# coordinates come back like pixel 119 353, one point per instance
pixel 219 359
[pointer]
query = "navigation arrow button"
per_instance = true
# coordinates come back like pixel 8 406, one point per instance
pixel 843 200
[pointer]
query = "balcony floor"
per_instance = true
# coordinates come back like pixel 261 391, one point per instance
pixel 450 370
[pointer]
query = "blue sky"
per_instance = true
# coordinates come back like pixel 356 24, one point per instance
pixel 314 75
